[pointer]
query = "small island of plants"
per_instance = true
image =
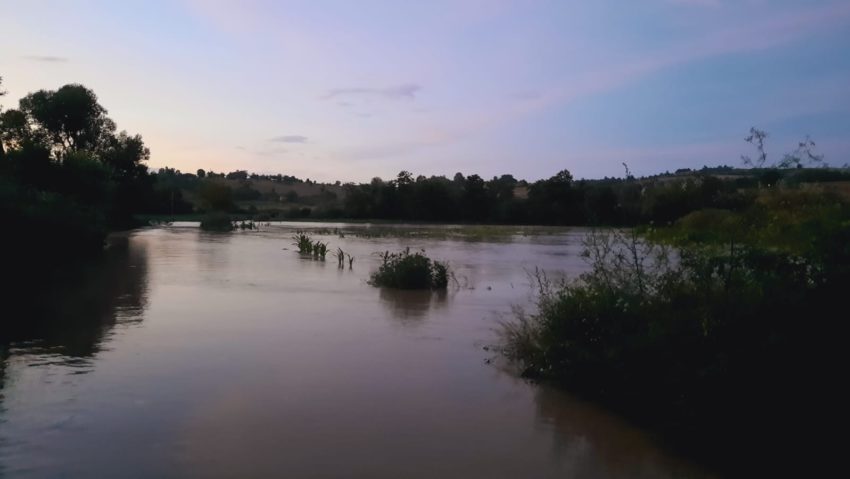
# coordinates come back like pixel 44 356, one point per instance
pixel 406 270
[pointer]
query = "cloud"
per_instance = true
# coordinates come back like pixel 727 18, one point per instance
pixel 405 91
pixel 289 139
pixel 46 58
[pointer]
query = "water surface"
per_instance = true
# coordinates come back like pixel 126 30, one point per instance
pixel 193 354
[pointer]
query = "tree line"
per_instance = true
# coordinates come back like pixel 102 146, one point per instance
pixel 66 169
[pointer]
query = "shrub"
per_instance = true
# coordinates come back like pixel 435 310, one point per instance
pixel 406 270
pixel 709 337
pixel 216 221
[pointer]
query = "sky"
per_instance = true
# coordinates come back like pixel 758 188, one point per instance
pixel 349 90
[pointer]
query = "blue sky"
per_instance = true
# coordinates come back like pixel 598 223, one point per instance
pixel 344 90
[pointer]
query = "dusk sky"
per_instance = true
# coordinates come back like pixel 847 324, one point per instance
pixel 349 90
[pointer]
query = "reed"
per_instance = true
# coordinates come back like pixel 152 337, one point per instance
pixel 340 258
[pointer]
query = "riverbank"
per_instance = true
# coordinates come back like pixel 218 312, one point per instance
pixel 707 332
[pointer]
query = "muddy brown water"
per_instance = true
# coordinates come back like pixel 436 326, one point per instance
pixel 193 354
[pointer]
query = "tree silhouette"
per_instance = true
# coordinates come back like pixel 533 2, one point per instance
pixel 803 154
pixel 70 118
pixel 756 138
pixel 2 93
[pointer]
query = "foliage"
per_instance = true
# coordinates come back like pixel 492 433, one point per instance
pixel 804 154
pixel 315 248
pixel 217 221
pixel 406 270
pixel 320 250
pixel 303 242
pixel 61 150
pixel 723 325
pixel 216 196
pixel 559 200
pixel 756 138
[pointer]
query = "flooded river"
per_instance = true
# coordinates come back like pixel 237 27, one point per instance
pixel 193 354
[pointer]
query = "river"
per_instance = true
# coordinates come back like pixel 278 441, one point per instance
pixel 193 354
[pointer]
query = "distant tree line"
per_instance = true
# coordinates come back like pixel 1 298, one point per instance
pixel 66 170
pixel 558 200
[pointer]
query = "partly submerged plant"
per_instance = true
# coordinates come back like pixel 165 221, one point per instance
pixel 340 257
pixel 320 250
pixel 303 242
pixel 406 270
pixel 217 221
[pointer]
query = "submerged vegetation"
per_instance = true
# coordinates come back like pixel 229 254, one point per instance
pixel 303 242
pixel 217 221
pixel 721 323
pixel 341 257
pixel 406 270
pixel 310 247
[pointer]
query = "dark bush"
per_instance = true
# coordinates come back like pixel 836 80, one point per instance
pixel 217 221
pixel 727 331
pixel 406 270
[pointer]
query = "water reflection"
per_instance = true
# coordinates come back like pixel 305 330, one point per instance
pixel 410 306
pixel 67 322
pixel 595 442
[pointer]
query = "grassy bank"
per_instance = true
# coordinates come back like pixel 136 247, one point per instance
pixel 718 332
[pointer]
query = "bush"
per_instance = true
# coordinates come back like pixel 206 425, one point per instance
pixel 710 337
pixel 406 270
pixel 216 221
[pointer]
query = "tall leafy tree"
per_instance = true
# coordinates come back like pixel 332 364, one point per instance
pixel 70 118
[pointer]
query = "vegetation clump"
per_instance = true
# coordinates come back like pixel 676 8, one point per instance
pixel 320 250
pixel 309 247
pixel 406 270
pixel 720 323
pixel 303 242
pixel 217 221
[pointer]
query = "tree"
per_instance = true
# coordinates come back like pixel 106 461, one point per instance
pixel 201 173
pixel 756 138
pixel 2 93
pixel 124 154
pixel 564 177
pixel 803 154
pixel 70 118
pixel 237 175
pixel 16 132
pixel 629 175
pixel 554 200
pixel 404 178
pixel 216 196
